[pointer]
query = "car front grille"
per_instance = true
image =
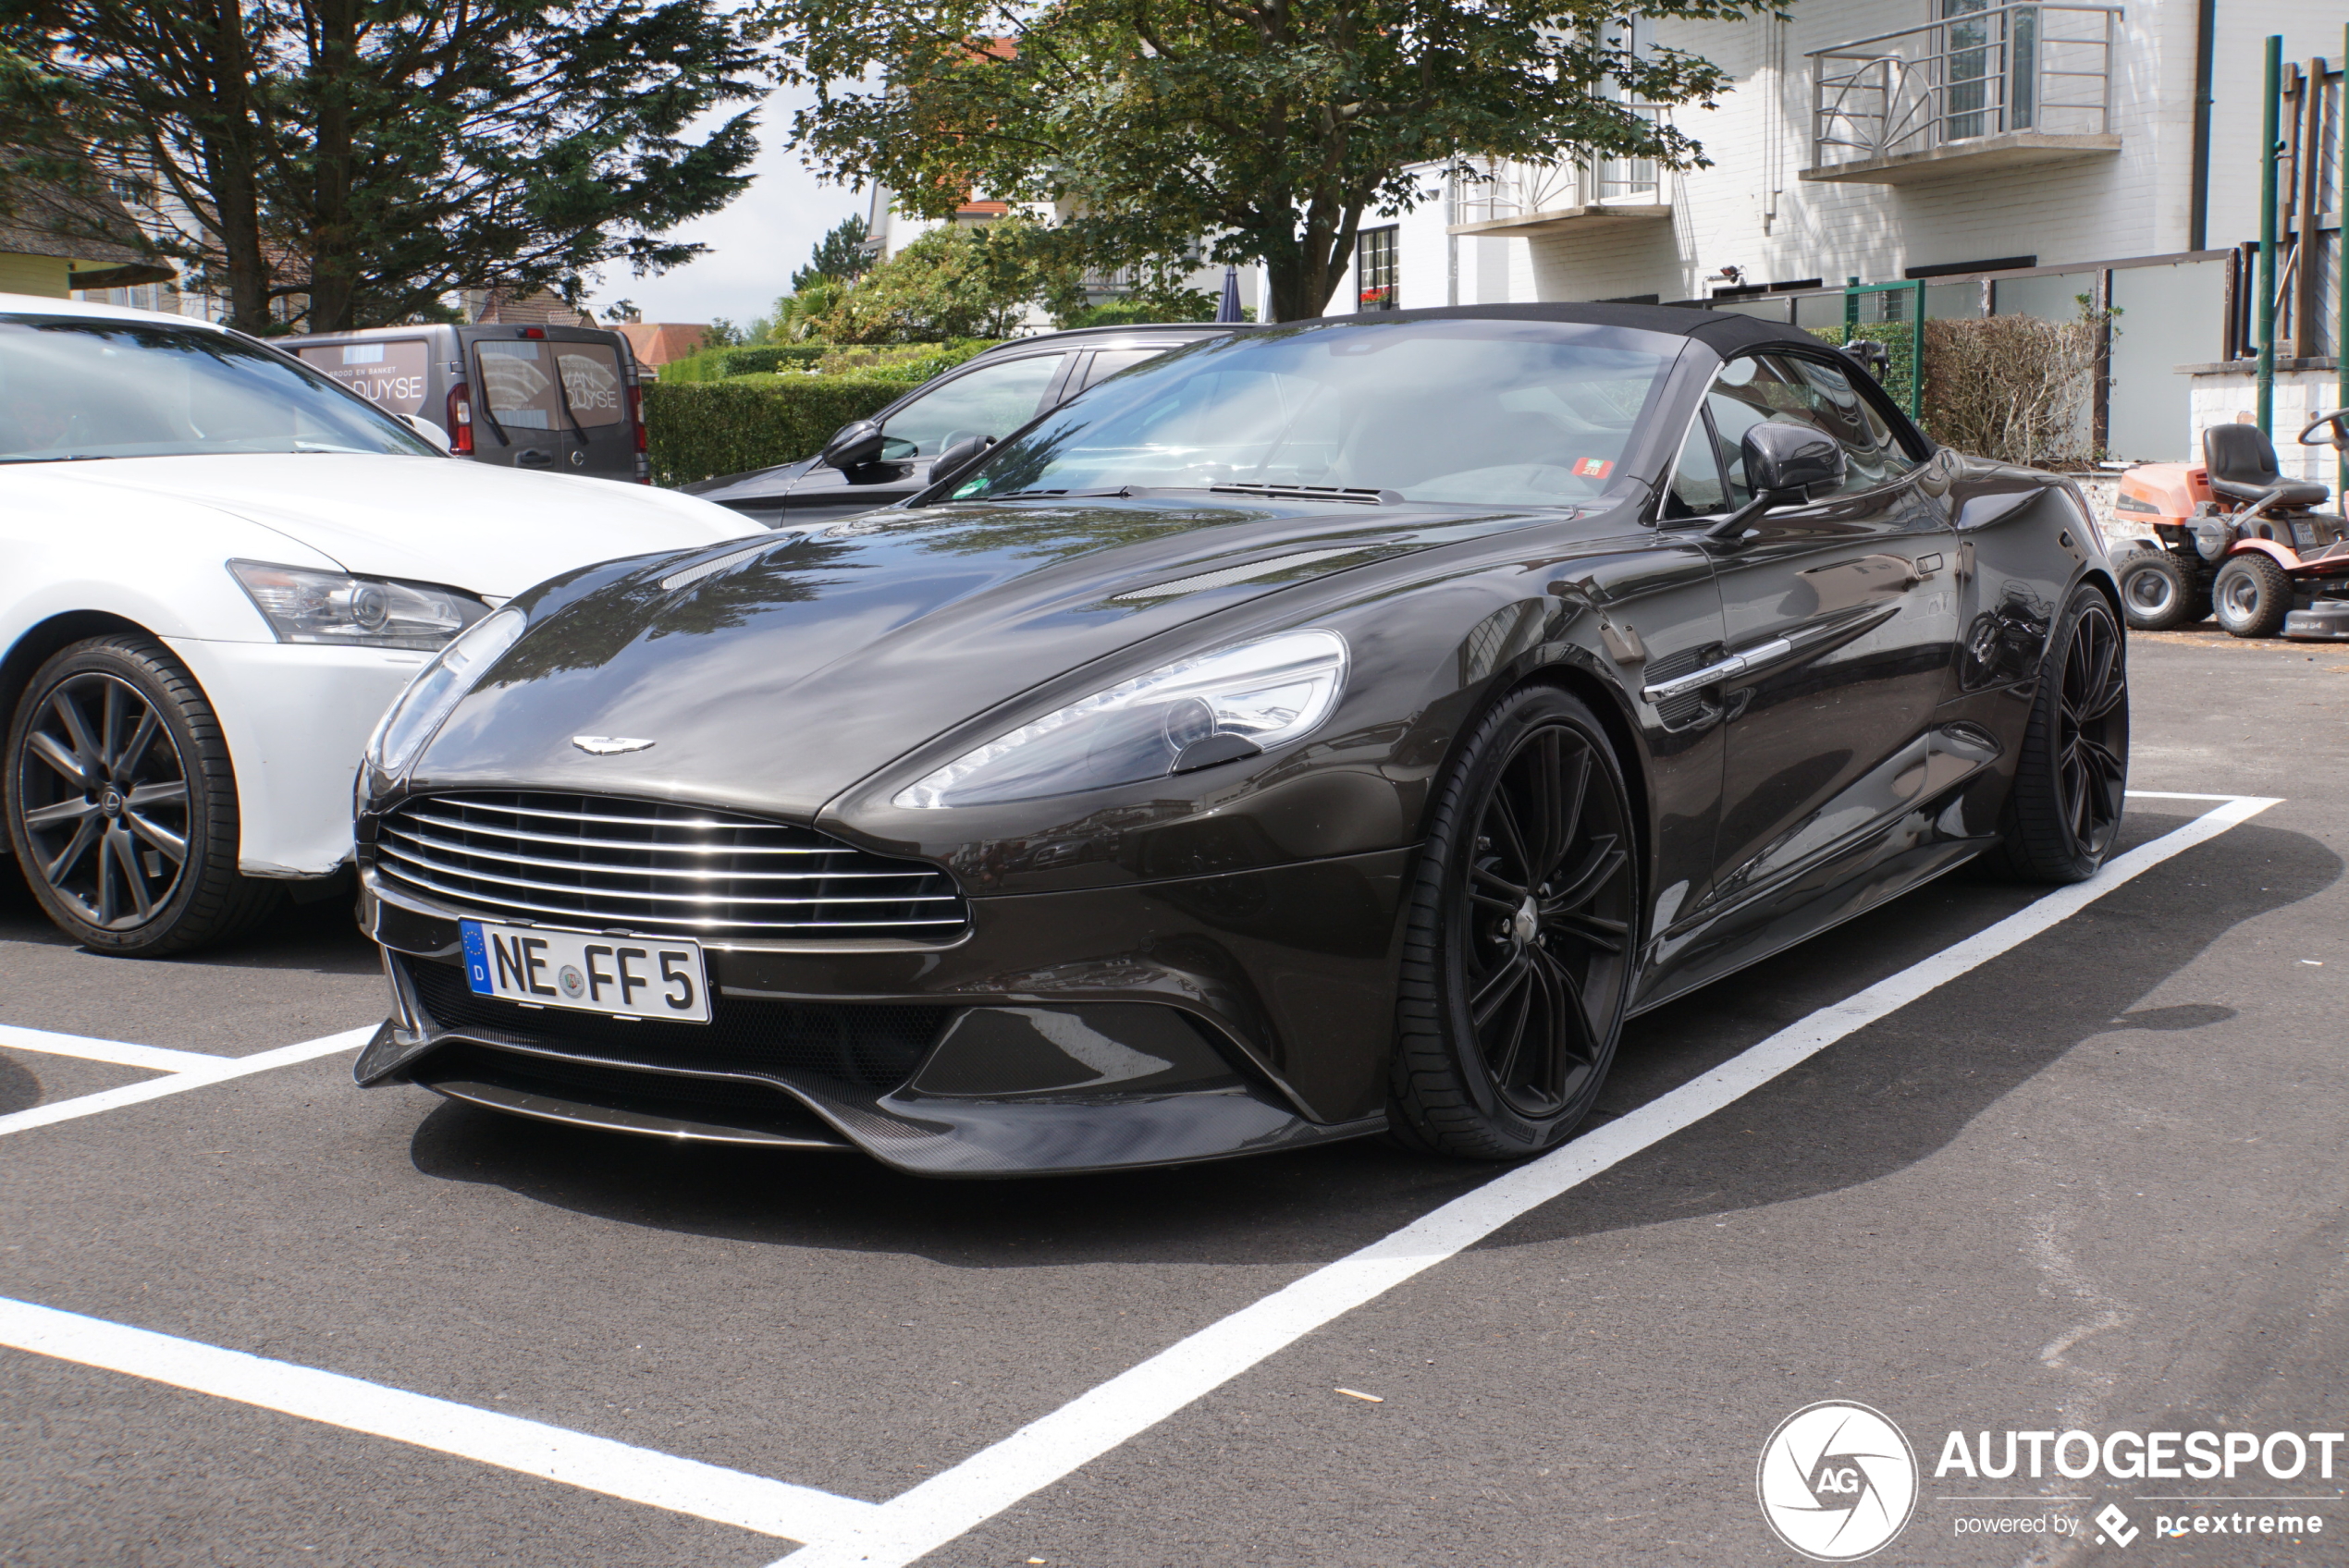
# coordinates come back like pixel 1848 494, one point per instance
pixel 645 865
pixel 871 1046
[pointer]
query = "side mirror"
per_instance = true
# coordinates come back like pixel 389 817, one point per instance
pixel 951 464
pixel 853 444
pixel 428 430
pixel 1782 462
pixel 1791 457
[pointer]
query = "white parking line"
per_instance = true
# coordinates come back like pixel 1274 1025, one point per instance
pixel 947 1505
pixel 511 1442
pixel 122 1053
pixel 207 1069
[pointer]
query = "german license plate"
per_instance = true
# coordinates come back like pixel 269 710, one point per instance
pixel 623 976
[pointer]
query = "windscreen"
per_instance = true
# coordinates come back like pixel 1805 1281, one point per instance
pixel 90 387
pixel 1472 411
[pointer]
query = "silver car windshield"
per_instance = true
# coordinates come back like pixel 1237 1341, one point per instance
pixel 1480 412
pixel 81 387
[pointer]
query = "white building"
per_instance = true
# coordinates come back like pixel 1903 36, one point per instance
pixel 2015 157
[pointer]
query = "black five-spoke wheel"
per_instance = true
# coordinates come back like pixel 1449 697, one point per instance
pixel 2069 781
pixel 122 801
pixel 1518 972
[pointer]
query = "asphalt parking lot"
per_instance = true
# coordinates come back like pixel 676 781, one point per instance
pixel 2089 1179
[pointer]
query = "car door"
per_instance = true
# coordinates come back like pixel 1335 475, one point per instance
pixel 1845 608
pixel 552 398
pixel 989 398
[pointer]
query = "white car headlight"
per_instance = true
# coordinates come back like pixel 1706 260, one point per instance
pixel 1212 709
pixel 412 720
pixel 303 605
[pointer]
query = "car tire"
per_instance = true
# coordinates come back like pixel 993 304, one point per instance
pixel 2161 593
pixel 2251 594
pixel 1521 940
pixel 139 861
pixel 2064 810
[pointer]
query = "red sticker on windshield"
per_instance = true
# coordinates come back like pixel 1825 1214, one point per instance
pixel 1593 468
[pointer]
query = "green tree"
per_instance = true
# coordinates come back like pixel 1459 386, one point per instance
pixel 959 280
pixel 343 163
pixel 840 256
pixel 1268 128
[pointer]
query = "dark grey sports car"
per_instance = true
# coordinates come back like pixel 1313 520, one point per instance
pixel 1336 728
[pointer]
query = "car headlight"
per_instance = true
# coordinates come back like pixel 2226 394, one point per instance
pixel 412 720
pixel 1210 708
pixel 303 605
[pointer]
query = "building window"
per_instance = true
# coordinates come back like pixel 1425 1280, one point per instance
pixel 1375 271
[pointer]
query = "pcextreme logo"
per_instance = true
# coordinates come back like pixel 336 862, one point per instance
pixel 1838 1482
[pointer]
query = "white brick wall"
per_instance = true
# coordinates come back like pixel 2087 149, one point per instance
pixel 2217 399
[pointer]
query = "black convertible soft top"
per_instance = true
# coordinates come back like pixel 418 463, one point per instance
pixel 1722 332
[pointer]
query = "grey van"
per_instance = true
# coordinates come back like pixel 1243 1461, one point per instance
pixel 563 399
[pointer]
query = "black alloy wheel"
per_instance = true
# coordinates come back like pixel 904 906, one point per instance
pixel 122 802
pixel 2161 593
pixel 1518 964
pixel 2069 779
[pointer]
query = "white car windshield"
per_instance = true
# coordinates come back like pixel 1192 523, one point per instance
pixel 1472 411
pixel 85 386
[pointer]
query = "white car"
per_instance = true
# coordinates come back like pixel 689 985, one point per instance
pixel 217 569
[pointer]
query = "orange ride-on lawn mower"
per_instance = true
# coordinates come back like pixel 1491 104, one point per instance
pixel 2238 540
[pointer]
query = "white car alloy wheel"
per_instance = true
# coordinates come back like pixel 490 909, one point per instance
pixel 122 805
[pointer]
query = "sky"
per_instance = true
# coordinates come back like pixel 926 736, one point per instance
pixel 755 244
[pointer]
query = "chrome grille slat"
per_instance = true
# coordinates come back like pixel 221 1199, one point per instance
pixel 537 886
pixel 698 926
pixel 697 875
pixel 638 864
pixel 575 839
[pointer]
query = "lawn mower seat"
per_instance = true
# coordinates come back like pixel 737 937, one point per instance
pixel 2241 464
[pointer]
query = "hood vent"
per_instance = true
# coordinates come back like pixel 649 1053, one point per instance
pixel 1308 492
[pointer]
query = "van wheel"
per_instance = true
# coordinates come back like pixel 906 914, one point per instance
pixel 122 804
pixel 2251 594
pixel 1518 957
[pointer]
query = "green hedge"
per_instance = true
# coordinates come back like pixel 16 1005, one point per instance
pixel 1894 335
pixel 717 364
pixel 697 430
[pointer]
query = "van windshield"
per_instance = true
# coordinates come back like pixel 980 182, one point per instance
pixel 82 387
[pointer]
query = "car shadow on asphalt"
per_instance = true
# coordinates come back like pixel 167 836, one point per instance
pixel 322 936
pixel 1859 1110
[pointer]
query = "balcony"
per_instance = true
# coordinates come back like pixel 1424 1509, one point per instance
pixel 1996 88
pixel 1518 199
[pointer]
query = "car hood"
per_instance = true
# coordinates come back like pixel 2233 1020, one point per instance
pixel 753 484
pixel 793 670
pixel 490 531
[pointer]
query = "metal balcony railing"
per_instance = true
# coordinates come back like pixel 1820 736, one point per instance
pixel 1988 71
pixel 1503 188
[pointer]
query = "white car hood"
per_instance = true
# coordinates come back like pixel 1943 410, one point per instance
pixel 490 531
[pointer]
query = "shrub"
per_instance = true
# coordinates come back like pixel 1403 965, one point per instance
pixel 911 363
pixel 716 364
pixel 698 430
pixel 2013 388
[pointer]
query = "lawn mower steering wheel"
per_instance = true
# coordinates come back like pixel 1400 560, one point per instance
pixel 2339 439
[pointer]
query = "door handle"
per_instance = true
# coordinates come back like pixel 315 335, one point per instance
pixel 533 457
pixel 1713 674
